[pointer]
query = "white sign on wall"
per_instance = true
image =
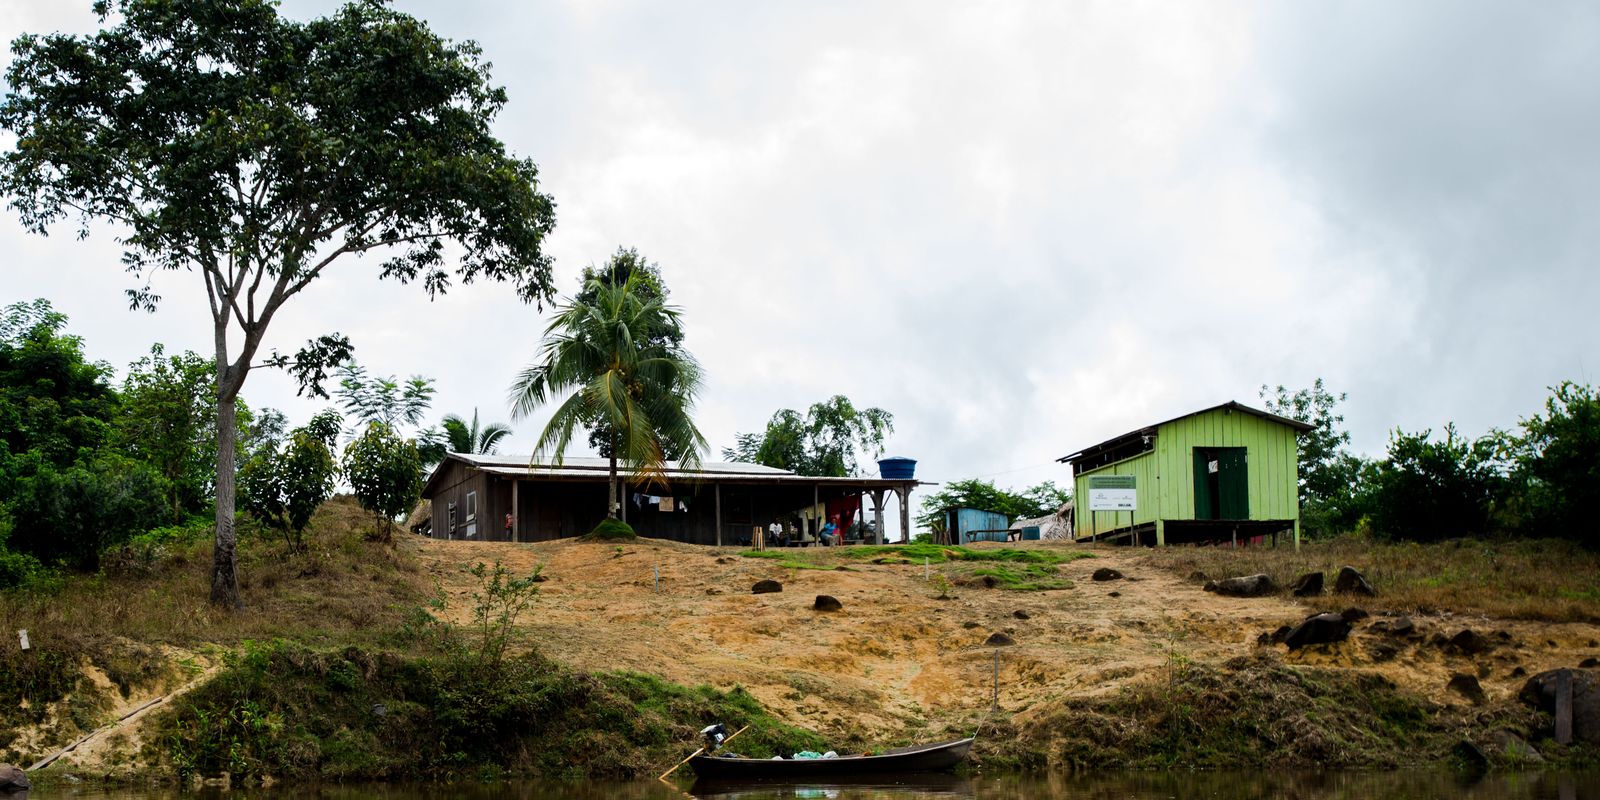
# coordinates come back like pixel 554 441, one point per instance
pixel 1113 493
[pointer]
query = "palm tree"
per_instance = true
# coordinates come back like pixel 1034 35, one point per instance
pixel 599 344
pixel 463 438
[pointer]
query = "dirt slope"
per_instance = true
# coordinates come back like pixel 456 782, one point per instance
pixel 896 660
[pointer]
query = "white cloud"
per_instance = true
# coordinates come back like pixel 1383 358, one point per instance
pixel 1022 228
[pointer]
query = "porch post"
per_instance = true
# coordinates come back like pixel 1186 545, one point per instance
pixel 816 524
pixel 516 511
pixel 877 512
pixel 718 488
pixel 905 511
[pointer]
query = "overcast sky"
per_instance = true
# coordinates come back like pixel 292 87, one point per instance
pixel 1021 228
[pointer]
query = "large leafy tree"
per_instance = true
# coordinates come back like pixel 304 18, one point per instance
pixel 642 388
pixel 1430 489
pixel 168 420
pixel 256 152
pixel 825 441
pixel 56 406
pixel 1557 460
pixel 1330 475
pixel 1035 501
pixel 70 515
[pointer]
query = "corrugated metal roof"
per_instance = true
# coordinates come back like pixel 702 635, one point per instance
pixel 587 468
pixel 588 463
pixel 1151 429
pixel 775 476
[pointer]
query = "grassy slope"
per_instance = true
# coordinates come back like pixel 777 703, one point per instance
pixel 326 634
pixel 342 632
pixel 1541 580
pixel 1003 567
pixel 342 590
pixel 284 710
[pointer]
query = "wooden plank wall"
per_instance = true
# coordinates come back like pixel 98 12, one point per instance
pixel 1166 474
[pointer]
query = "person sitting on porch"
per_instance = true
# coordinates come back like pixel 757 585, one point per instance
pixel 830 532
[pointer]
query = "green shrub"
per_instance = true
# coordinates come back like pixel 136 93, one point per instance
pixel 18 569
pixel 610 529
pixel 73 515
pixel 145 550
pixel 285 710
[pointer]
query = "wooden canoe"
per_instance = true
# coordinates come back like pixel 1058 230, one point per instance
pixel 904 760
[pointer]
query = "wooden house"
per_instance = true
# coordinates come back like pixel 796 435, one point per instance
pixel 1225 473
pixel 714 503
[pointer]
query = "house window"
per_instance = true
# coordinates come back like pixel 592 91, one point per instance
pixel 472 506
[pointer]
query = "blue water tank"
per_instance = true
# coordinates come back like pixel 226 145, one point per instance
pixel 896 468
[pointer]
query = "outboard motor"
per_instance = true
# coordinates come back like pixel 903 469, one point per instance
pixel 713 735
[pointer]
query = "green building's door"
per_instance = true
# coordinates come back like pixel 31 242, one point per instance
pixel 1221 483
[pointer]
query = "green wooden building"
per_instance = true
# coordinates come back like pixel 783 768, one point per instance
pixel 1226 473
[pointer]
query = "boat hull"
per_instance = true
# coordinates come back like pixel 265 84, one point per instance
pixel 906 760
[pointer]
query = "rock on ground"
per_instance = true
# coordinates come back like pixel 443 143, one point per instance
pixel 1320 629
pixel 1106 574
pixel 1351 581
pixel 1470 642
pixel 766 587
pixel 1307 585
pixel 827 602
pixel 1246 586
pixel 998 639
pixel 1467 686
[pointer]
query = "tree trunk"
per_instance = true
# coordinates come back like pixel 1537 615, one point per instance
pixel 611 486
pixel 224 578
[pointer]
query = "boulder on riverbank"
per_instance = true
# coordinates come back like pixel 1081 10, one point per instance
pixel 1540 692
pixel 13 779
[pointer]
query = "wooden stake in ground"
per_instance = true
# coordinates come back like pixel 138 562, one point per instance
pixel 698 752
pixel 1564 707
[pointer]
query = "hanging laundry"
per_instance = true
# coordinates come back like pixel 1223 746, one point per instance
pixel 666 504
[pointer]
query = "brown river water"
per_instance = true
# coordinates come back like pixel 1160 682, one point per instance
pixel 1397 785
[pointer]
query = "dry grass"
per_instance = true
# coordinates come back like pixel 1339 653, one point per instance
pixel 1540 580
pixel 343 589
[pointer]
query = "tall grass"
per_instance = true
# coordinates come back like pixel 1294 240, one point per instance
pixel 343 589
pixel 1542 580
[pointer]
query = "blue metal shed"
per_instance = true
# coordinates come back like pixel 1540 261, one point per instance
pixel 967 525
